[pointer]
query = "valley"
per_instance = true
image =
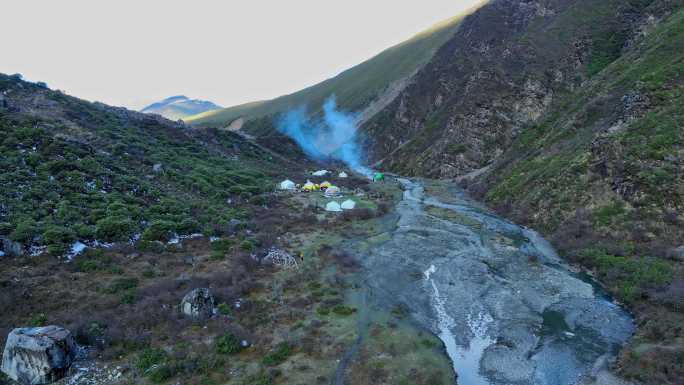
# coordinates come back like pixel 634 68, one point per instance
pixel 499 200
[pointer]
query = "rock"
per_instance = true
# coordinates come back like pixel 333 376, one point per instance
pixel 38 355
pixel 157 168
pixel 234 225
pixel 678 253
pixel 199 303
pixel 11 248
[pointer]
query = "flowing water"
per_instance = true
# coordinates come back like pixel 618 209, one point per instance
pixel 507 308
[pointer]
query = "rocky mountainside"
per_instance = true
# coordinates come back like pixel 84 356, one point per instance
pixel 566 116
pixel 180 107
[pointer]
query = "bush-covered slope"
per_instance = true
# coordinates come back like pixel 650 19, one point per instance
pixel 354 88
pixel 74 170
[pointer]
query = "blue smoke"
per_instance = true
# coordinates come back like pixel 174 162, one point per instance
pixel 334 136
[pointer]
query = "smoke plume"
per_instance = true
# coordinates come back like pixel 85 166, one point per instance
pixel 332 137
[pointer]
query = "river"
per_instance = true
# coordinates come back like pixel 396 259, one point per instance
pixel 508 309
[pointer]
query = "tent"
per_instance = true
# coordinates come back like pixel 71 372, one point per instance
pixel 308 186
pixel 342 175
pixel 378 176
pixel 333 206
pixel 325 185
pixel 287 185
pixel 332 191
pixel 321 173
pixel 348 205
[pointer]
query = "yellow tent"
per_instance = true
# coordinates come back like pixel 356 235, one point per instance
pixel 308 186
pixel 325 185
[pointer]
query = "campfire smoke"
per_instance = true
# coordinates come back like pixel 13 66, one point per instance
pixel 332 137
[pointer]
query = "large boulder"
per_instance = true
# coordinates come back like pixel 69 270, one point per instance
pixel 198 303
pixel 10 248
pixel 38 355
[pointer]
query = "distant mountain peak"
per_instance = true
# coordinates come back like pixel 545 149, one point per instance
pixel 179 107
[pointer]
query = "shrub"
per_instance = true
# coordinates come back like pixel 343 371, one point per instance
pixel 86 265
pixel 128 297
pixel 56 249
pixel 150 357
pixel 188 226
pixel 604 216
pixel 247 245
pixel 228 344
pixel 6 228
pixel 84 231
pixel 24 232
pixel 54 234
pixel 223 308
pixel 112 229
pixel 322 310
pixel 343 310
pixel 39 319
pixel 121 284
pixel 159 230
pixel 161 373
pixel 281 353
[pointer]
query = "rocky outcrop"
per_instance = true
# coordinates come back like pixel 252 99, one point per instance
pixel 38 355
pixel 198 304
pixel 10 248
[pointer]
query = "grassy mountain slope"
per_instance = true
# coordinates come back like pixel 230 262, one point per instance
pixel 567 116
pixel 180 107
pixel 354 88
pixel 78 170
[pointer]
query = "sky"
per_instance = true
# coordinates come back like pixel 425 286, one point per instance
pixel 134 52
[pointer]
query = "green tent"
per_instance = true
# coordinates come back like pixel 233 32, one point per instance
pixel 378 176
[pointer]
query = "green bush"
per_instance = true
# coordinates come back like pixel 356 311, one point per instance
pixel 631 276
pixel 247 245
pixel 129 296
pixel 56 249
pixel 120 284
pixel 86 265
pixel 39 319
pixel 159 230
pixel 228 344
pixel 343 310
pixel 111 229
pixel 6 228
pixel 604 216
pixel 223 308
pixel 323 310
pixel 188 226
pixel 84 231
pixel 150 357
pixel 281 353
pixel 161 374
pixel 55 234
pixel 24 231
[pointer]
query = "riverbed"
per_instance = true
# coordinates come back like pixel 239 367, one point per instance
pixel 507 308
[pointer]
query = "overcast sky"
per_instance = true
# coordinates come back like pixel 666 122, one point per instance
pixel 132 52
